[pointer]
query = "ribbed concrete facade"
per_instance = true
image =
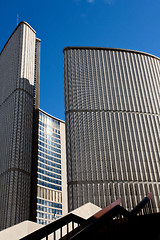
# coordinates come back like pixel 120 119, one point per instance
pixel 112 104
pixel 18 73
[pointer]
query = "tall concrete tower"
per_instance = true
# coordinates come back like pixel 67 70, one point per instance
pixel 19 96
pixel 112 106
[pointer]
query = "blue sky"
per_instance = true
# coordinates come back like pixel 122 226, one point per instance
pixel 130 24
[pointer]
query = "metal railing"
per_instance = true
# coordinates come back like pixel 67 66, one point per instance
pixel 56 228
pixel 106 223
pixel 116 223
pixel 144 207
pixel 113 221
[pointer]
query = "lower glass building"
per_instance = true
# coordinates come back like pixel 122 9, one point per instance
pixel 51 172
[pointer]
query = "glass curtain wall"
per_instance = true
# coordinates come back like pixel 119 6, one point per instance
pixel 49 182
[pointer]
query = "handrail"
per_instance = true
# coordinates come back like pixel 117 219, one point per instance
pixel 110 215
pixel 106 209
pixel 141 205
pixel 91 225
pixel 52 227
pixel 94 217
pixel 89 230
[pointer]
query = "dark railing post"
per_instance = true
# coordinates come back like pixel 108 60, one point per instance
pixel 61 232
pixel 67 228
pixel 54 235
pixel 72 225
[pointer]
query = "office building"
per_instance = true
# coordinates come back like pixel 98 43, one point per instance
pixel 112 107
pixel 19 78
pixel 51 179
pixel 26 178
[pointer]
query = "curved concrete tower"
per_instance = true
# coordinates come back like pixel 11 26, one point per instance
pixel 112 106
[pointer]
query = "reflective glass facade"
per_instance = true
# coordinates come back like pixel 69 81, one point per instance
pixel 50 170
pixel 112 106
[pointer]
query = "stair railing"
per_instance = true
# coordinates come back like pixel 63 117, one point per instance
pixel 114 222
pixel 56 228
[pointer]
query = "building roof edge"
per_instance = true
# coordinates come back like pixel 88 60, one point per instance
pixel 111 49
pixel 25 23
pixel 49 115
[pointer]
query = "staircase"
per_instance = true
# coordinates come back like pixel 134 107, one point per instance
pixel 112 222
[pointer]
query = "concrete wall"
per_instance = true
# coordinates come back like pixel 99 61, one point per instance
pixel 19 230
